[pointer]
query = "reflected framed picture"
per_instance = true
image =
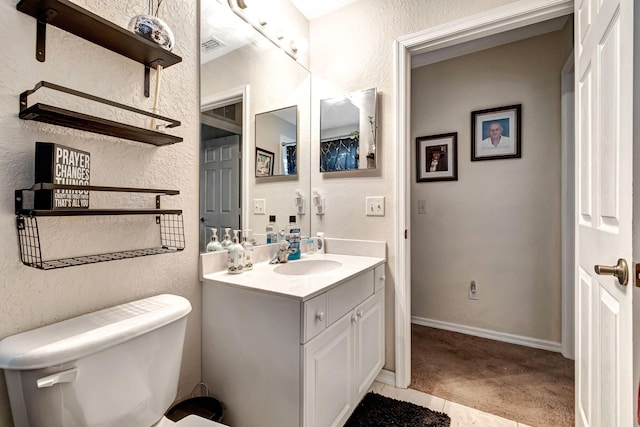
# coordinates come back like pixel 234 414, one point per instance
pixel 264 162
pixel 495 133
pixel 437 157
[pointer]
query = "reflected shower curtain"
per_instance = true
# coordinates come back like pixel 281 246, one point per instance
pixel 339 154
pixel 290 159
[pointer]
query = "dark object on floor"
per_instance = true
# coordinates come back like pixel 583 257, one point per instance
pixel 380 411
pixel 203 406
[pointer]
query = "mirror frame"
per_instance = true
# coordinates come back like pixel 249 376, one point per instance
pixel 371 157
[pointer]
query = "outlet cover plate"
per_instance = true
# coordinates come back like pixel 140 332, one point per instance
pixel 374 206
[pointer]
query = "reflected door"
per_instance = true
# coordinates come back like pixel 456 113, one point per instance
pixel 220 187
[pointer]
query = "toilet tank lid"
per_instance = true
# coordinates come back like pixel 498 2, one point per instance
pixel 81 336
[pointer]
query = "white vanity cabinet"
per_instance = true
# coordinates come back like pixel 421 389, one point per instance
pixel 278 361
pixel 341 363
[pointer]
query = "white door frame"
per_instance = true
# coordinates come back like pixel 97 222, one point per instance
pixel 511 16
pixel 240 93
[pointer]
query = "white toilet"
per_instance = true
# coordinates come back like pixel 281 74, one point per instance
pixel 117 367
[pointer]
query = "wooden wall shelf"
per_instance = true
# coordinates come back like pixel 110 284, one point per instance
pixel 72 18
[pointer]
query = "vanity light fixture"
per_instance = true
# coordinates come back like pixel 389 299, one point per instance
pixel 259 23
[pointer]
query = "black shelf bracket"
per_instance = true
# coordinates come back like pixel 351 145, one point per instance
pixel 41 33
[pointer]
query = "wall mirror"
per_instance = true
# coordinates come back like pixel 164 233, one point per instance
pixel 348 132
pixel 277 142
pixel 242 76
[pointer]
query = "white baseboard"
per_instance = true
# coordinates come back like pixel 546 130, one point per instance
pixel 387 377
pixel 493 335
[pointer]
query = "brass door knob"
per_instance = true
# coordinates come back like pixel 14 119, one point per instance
pixel 620 271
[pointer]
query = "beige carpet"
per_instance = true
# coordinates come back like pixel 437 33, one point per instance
pixel 531 386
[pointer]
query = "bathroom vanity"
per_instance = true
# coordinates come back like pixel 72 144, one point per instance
pixel 295 344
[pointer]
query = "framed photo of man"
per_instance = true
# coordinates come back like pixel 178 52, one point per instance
pixel 437 157
pixel 495 133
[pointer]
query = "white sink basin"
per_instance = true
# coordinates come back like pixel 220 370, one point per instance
pixel 311 266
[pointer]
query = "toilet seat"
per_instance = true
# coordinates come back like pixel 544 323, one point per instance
pixel 196 421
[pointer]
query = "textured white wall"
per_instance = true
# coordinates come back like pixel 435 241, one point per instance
pixel 499 224
pixel 32 298
pixel 352 49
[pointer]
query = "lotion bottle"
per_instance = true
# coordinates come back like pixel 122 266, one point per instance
pixel 320 236
pixel 293 237
pixel 248 250
pixel 235 255
pixel 227 239
pixel 214 245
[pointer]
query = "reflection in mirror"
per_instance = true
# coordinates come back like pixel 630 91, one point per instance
pixel 348 132
pixel 239 66
pixel 277 142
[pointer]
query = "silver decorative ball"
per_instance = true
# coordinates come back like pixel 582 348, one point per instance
pixel 154 29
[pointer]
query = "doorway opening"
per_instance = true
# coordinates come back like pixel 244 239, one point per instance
pixel 460 35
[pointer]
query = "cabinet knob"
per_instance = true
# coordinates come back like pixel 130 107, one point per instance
pixel 354 318
pixel 360 314
pixel 320 316
pixel 382 278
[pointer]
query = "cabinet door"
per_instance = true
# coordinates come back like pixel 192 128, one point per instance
pixel 328 376
pixel 369 343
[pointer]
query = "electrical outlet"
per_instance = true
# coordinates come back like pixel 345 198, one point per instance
pixel 374 206
pixel 259 206
pixel 422 207
pixel 473 290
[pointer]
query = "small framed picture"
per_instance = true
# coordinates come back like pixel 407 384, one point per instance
pixel 437 157
pixel 495 133
pixel 264 162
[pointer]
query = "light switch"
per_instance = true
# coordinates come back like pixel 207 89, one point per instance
pixel 422 207
pixel 259 206
pixel 374 206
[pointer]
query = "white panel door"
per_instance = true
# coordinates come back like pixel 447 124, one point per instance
pixel 604 175
pixel 219 186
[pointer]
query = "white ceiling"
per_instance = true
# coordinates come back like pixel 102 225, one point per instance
pixel 313 9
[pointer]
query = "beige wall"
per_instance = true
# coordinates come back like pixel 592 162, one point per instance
pixel 352 49
pixel 499 224
pixel 32 298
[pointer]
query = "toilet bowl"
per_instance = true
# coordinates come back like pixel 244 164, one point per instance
pixel 111 368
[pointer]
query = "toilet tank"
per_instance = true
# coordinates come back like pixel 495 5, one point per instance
pixel 116 367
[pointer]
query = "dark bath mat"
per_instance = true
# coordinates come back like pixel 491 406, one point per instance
pixel 380 411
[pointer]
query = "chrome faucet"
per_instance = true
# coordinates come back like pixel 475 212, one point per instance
pixel 283 253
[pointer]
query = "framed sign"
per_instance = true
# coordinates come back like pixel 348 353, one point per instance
pixel 437 157
pixel 264 162
pixel 495 133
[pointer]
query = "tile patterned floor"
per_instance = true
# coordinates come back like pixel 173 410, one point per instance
pixel 461 416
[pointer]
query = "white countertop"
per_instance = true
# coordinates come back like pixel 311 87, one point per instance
pixel 263 278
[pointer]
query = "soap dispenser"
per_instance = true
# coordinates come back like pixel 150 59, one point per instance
pixel 235 256
pixel 293 237
pixel 214 245
pixel 248 250
pixel 227 239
